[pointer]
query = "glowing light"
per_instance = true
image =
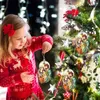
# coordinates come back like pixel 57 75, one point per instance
pixel 46 23
pixel 42 13
pixel 2 7
pixel 1 14
pixel 22 1
pixel 43 29
pixel 23 8
pixel 40 6
pixel 42 0
pixel 54 15
pixel 51 6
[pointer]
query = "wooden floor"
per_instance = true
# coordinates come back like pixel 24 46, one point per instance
pixel 3 93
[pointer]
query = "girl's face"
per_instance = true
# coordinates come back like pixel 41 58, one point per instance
pixel 18 40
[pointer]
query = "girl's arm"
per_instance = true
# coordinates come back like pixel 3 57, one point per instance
pixel 6 80
pixel 36 42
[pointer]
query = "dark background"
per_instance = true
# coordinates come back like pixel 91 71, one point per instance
pixel 33 13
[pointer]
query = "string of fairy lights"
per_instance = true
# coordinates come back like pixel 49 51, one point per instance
pixel 2 10
pixel 23 9
pixel 44 16
pixel 42 19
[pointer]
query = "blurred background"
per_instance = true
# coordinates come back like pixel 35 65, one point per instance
pixel 41 14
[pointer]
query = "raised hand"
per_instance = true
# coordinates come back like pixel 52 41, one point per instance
pixel 46 47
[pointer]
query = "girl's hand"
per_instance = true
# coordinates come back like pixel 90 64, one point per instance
pixel 27 77
pixel 46 46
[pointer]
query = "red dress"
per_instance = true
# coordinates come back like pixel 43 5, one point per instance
pixel 11 70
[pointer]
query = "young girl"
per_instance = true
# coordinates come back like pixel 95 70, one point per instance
pixel 17 62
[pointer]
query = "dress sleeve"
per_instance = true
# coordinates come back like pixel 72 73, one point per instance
pixel 36 42
pixel 6 80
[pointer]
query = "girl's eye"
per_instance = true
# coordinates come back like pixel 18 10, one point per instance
pixel 19 39
pixel 24 36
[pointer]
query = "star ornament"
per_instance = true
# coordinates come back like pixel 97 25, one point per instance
pixel 66 43
pixel 52 88
pixel 43 29
pixel 58 64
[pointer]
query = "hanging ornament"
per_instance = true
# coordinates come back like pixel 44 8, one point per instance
pixel 81 44
pixel 44 72
pixel 91 2
pixel 67 95
pixel 52 88
pixel 43 29
pixel 68 79
pixel 66 43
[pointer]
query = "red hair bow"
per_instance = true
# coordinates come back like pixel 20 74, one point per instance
pixel 8 29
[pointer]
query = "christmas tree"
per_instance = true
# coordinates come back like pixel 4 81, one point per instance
pixel 77 55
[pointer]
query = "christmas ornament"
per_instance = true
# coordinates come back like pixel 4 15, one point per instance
pixel 67 95
pixel 67 79
pixel 91 71
pixel 52 88
pixel 58 65
pixel 66 43
pixel 44 72
pixel 81 44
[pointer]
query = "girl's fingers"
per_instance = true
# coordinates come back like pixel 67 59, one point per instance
pixel 46 49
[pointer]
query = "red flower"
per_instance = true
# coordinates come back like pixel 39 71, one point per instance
pixel 73 13
pixel 8 29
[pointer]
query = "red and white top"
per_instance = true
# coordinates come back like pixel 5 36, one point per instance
pixel 11 70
